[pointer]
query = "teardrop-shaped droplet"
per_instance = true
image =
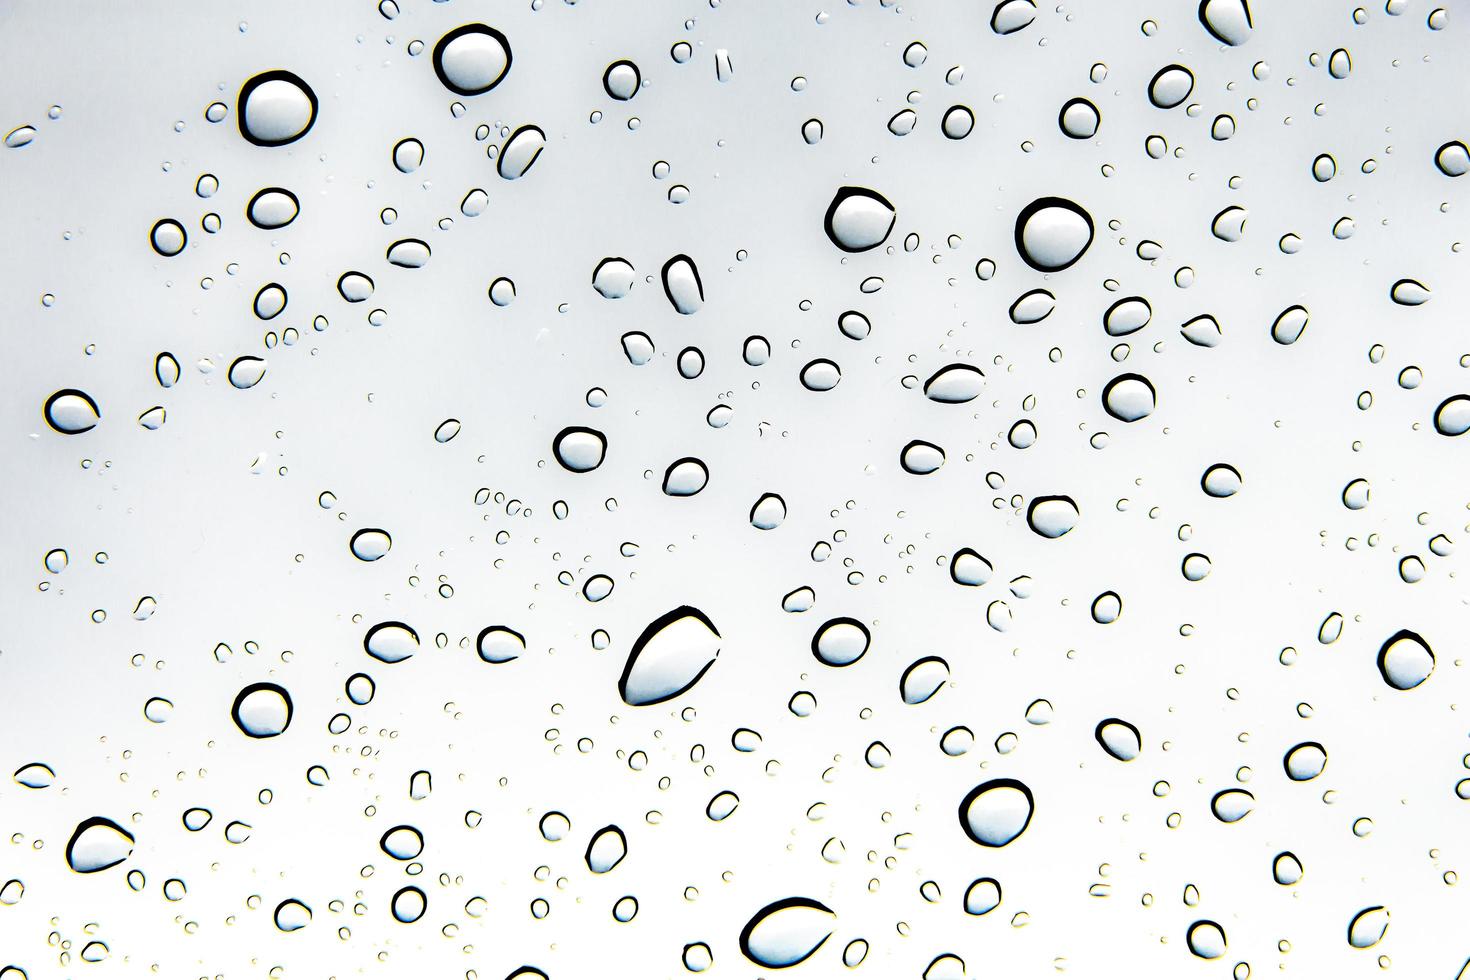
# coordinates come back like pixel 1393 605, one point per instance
pixel 922 679
pixel 246 371
pixel 1033 307
pixel 97 844
pixel 997 812
pixel 787 932
pixel 682 285
pixel 1409 292
pixel 391 642
pixel 1228 21
pixel 1286 868
pixel 606 850
pixel 1229 224
pixel 1202 331
pixel 1232 805
pixel 954 384
pixel 35 775
pixel 1289 325
pixel 669 657
pixel 499 644
pixel 71 412
pixel 1367 927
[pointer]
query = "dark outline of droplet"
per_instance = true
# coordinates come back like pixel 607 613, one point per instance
pixel 407 241
pixel 698 282
pixel 841 621
pixel 372 688
pixel 1438 409
pixel 995 14
pixel 393 905
pixel 250 206
pixel 913 443
pixel 606 262
pixel 1097 734
pixel 623 341
pixel 63 393
pixel 607 76
pixel 588 585
pixel 772 909
pixel 528 971
pixel 1092 610
pixel 572 430
pixel 230 371
pixel 950 731
pixel 255 303
pixel 679 362
pixel 153 237
pixel 256 688
pixel 372 632
pixel 275 916
pixel 1383 657
pixel 368 530
pixel 372 286
pixel 954 565
pixel 87 825
pixel 944 370
pixel 768 495
pixel 422 154
pixel 1286 757
pixel 800 588
pixel 1041 204
pixel 745 347
pixel 668 473
pixel 1250 24
pixel 1023 298
pixel 845 192
pixel 953 956
pixel 159 361
pixel 541 824
pixel 383 841
pixel 711 803
pixel 437 58
pixel 903 678
pixel 1223 212
pixel 497 629
pixel 1214 811
pixel 255 82
pixel 965 901
pixel 1359 915
pixel 1446 146
pixel 1277 859
pixel 1038 501
pixel 649 632
pixel 1107 389
pixel 862 316
pixel 1160 74
pixel 1206 475
pixel 504 147
pixel 1393 290
pixel 1306 316
pixel 597 836
pixel 985 787
pixel 1062 114
pixel 1189 937
pixel 942 120
pixel 814 362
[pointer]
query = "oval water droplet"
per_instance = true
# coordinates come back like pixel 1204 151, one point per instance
pixel 841 642
pixel 682 285
pixel 71 412
pixel 921 458
pixel 275 108
pixel 606 850
pixel 579 449
pixel 1052 233
pixel 859 219
pixel 669 657
pixel 1119 739
pixel 391 642
pixel 472 59
pixel 520 151
pixel 1405 660
pixel 1052 517
pixel 262 710
pixel 787 932
pixel 996 812
pixel 685 477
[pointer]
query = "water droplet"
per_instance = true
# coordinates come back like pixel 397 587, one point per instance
pixel 520 151
pixel 1079 119
pixel 1367 927
pixel 1229 22
pixel 922 679
pixel 71 412
pixel 1405 661
pixel 1206 940
pixel 246 372
pixel 787 932
pixel 621 80
pixel 841 642
pixel 272 207
pixel 996 812
pixel 1052 517
pixel 1052 233
pixel 682 285
pixel 391 642
pixel 685 477
pixel 96 845
pixel 168 237
pixel 606 850
pixel 472 59
pixel 1170 86
pixel 859 219
pixel 579 449
pixel 276 108
pixel 1119 739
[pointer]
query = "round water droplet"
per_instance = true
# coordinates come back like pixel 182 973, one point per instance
pixel 1286 869
pixel 613 278
pixel 370 544
pixel 1079 119
pixel 579 449
pixel 685 477
pixel 1052 517
pixel 997 812
pixel 1452 417
pixel 1405 660
pixel 1206 940
pixel 1453 159
pixel 768 513
pixel 841 642
pixel 291 915
pixel 606 850
pixel 272 207
pixel 1221 480
pixel 1052 233
pixel 820 375
pixel 1305 761
pixel 168 237
pixel 1170 86
pixel 859 219
pixel 472 59
pixel 409 904
pixel 1232 805
pixel 1118 739
pixel 1228 21
pixel 408 155
pixel 1129 397
pixel 262 710
pixel 275 108
pixel 621 80
pixel 921 458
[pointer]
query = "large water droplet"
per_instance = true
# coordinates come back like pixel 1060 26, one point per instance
pixel 841 642
pixel 472 59
pixel 71 412
pixel 262 710
pixel 276 108
pixel 859 219
pixel 391 642
pixel 787 932
pixel 1405 661
pixel 96 845
pixel 1052 233
pixel 669 657
pixel 997 812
